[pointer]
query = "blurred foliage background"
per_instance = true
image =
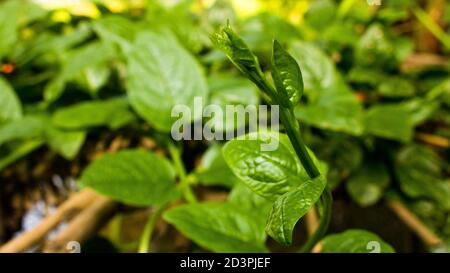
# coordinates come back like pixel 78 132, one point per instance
pixel 376 106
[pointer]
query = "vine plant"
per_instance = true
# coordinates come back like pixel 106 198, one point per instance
pixel 288 90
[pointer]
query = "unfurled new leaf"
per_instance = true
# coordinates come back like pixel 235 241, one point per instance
pixel 287 76
pixel 238 52
pixel 292 206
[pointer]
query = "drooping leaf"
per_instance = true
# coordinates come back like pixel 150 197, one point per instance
pixel 113 113
pixel 161 75
pixel 366 186
pixel 220 227
pixel 11 108
pixel 286 75
pixel 292 206
pixel 269 173
pixel 355 241
pixel 134 177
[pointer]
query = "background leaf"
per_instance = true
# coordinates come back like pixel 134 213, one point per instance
pixel 354 241
pixel 134 177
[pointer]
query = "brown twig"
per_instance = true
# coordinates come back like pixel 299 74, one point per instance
pixel 86 223
pixel 68 209
pixel 434 140
pixel 413 222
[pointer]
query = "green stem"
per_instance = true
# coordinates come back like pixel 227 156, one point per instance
pixel 327 201
pixel 292 128
pixel 432 26
pixel 144 243
pixel 187 192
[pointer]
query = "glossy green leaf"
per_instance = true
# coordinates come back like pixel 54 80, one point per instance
pixel 292 206
pixel 389 121
pixel 220 227
pixel 161 74
pixel 113 113
pixel 355 241
pixel 11 108
pixel 286 75
pixel 367 185
pixel 420 174
pixel 268 173
pixel 134 177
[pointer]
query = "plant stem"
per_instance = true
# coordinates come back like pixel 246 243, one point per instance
pixel 187 192
pixel 144 243
pixel 432 26
pixel 292 128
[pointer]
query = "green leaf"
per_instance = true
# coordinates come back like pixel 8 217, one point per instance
pixel 389 121
pixel 286 75
pixel 113 113
pixel 321 14
pixel 355 241
pixel 227 89
pixel 161 74
pixel 419 171
pixel 11 108
pixel 268 173
pixel 292 206
pixel 238 52
pixel 318 70
pixel 246 199
pixel 66 143
pixel 134 177
pixel 75 61
pixel 19 150
pixel 374 49
pixel 24 128
pixel 367 185
pixel 336 109
pixel 220 227
pixel 213 170
pixel 394 87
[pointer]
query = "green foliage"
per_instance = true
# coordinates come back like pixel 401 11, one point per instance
pixel 355 241
pixel 271 174
pixel 290 207
pixel 135 177
pixel 232 226
pixel 11 107
pixel 161 74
